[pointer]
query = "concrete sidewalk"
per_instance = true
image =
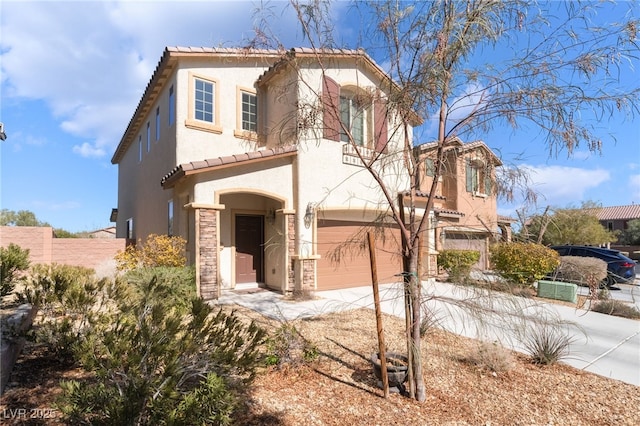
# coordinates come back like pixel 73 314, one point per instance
pixel 602 344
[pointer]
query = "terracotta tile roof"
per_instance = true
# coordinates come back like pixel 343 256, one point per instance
pixel 448 212
pixel 422 194
pixel 230 160
pixel 462 147
pixel 506 219
pixel 618 212
pixel 165 68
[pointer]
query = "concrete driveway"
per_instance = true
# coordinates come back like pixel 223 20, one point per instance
pixel 601 344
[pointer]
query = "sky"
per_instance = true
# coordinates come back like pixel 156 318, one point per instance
pixel 73 72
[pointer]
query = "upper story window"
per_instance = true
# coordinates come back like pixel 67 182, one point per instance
pixel 362 112
pixel 140 148
pixel 249 104
pixel 148 136
pixel 478 177
pixel 204 113
pixel 354 111
pixel 429 167
pixel 157 124
pixel 204 100
pixel 172 107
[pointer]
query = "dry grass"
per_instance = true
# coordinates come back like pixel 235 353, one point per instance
pixel 340 389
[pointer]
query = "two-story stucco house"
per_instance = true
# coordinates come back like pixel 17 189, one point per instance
pixel 465 207
pixel 243 153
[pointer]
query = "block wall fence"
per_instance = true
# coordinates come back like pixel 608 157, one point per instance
pixel 44 248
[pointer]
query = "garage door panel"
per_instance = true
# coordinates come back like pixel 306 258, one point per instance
pixel 345 259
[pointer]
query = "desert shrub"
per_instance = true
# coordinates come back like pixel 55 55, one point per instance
pixel 67 298
pixel 287 347
pixel 157 250
pixel 585 271
pixel 547 343
pixel 13 261
pixel 178 283
pixel 154 364
pixel 523 263
pixel 616 308
pixel 458 263
pixel 492 357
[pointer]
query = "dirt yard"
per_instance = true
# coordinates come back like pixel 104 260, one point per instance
pixel 340 388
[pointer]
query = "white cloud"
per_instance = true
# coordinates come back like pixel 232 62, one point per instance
pixel 90 61
pixel 563 186
pixel 88 151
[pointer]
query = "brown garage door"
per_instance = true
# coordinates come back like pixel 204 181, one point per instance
pixel 475 242
pixel 347 265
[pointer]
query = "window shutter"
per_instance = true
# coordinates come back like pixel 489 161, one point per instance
pixel 380 125
pixel 487 181
pixel 469 176
pixel 330 109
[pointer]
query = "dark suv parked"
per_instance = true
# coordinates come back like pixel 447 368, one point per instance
pixel 620 268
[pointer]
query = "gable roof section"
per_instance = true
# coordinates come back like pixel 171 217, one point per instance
pixel 194 167
pixel 618 212
pixel 455 142
pixel 362 59
pixel 166 66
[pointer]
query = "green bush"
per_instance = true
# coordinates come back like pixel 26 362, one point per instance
pixel 13 260
pixel 154 362
pixel 523 263
pixel 585 271
pixel 178 283
pixel 458 263
pixel 68 298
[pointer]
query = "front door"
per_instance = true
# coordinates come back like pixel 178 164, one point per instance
pixel 249 248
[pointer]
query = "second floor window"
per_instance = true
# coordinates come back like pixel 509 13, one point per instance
pixel 352 116
pixel 157 124
pixel 148 136
pixel 204 100
pixel 478 177
pixel 249 112
pixel 172 106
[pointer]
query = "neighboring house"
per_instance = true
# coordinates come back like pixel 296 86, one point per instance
pixel 465 206
pixel 617 218
pixel 238 152
pixel 109 232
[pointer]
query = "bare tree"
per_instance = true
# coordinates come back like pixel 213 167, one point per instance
pixel 467 67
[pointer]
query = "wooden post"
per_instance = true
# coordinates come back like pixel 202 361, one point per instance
pixel 376 300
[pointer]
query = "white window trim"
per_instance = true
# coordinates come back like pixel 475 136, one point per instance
pixel 191 122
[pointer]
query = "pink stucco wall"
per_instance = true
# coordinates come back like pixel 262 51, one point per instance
pixel 43 248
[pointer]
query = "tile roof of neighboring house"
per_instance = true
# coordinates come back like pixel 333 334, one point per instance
pixel 462 147
pixel 230 160
pixel 618 212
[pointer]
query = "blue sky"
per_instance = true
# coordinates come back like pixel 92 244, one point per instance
pixel 73 72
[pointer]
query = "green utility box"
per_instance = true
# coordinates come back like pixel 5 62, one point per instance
pixel 558 290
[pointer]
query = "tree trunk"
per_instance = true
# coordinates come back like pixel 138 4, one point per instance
pixel 415 290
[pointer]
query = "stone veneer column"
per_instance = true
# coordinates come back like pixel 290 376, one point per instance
pixel 207 250
pixel 291 251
